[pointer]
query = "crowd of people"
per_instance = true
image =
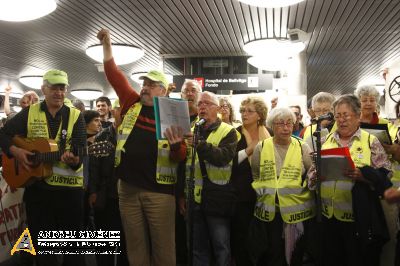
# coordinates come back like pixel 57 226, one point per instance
pixel 231 192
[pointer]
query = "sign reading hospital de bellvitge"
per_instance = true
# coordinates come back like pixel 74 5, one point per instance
pixel 229 82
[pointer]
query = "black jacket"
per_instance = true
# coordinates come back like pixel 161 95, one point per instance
pixel 102 179
pixel 369 218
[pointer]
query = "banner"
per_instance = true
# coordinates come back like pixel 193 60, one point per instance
pixel 12 218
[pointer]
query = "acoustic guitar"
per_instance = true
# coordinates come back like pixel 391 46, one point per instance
pixel 46 152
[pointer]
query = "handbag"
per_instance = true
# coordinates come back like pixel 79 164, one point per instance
pixel 217 200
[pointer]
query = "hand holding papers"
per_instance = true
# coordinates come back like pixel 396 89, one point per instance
pixel 171 113
pixel 335 163
pixel 380 131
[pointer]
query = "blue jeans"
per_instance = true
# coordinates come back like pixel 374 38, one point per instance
pixel 212 229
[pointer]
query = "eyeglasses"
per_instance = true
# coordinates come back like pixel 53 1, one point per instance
pixel 343 116
pixel 151 85
pixel 55 87
pixel 244 110
pixel 225 106
pixel 283 124
pixel 187 91
pixel 206 104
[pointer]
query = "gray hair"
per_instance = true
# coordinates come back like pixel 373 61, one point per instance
pixel 213 97
pixel 194 82
pixel 351 100
pixel 283 113
pixel 322 97
pixel 367 90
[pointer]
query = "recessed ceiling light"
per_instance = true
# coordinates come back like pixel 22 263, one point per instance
pixel 270 3
pixel 123 53
pixel 87 94
pixel 282 46
pixel 268 63
pixel 34 82
pixel 25 10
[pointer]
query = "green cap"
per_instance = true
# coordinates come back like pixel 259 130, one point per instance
pixel 55 76
pixel 157 76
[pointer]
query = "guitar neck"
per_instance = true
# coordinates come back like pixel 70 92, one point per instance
pixel 54 156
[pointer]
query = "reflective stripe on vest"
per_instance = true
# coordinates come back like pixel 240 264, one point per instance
pixel 217 175
pixel 166 169
pixel 62 175
pixel 125 129
pixel 336 195
pixel 296 202
pixel 395 164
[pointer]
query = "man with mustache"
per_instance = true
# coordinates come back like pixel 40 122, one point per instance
pixel 146 167
pixel 55 202
pixel 190 91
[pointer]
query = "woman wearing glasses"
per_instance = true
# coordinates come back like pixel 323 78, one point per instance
pixel 369 97
pixel 353 221
pixel 253 111
pixel 284 203
pixel 226 112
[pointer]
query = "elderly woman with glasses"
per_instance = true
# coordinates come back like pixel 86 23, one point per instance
pixel 369 97
pixel 321 104
pixel 226 112
pixel 284 203
pixel 253 111
pixel 352 214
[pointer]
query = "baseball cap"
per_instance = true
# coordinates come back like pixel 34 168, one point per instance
pixel 56 76
pixel 157 76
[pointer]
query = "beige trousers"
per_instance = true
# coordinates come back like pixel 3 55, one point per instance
pixel 148 219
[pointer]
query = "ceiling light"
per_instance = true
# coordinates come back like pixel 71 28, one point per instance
pixel 17 95
pixel 34 82
pixel 268 62
pixel 24 10
pixel 17 108
pixel 270 3
pixel 87 94
pixel 274 46
pixel 123 54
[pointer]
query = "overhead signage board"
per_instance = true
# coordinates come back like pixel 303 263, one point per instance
pixel 229 81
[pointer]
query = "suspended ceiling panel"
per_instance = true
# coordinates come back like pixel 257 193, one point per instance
pixel 349 39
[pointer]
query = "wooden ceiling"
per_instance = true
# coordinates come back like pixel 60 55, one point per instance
pixel 349 39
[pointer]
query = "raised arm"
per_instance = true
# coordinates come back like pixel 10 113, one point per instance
pixel 126 94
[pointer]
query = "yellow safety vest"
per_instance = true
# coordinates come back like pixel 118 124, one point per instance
pixel 395 164
pixel 166 169
pixel 312 128
pixel 296 202
pixel 336 195
pixel 62 175
pixel 218 175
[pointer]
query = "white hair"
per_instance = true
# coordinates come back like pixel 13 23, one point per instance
pixel 367 90
pixel 322 97
pixel 214 98
pixel 283 113
pixel 194 83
